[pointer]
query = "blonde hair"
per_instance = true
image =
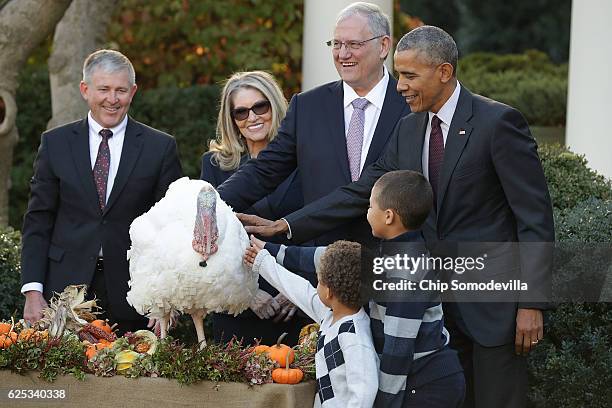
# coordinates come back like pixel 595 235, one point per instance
pixel 229 144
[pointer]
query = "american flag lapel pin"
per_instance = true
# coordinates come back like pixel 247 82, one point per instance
pixel 462 131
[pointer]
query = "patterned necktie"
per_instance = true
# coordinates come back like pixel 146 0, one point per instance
pixel 354 137
pixel 436 154
pixel 100 170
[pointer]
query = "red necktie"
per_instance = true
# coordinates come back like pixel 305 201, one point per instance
pixel 436 154
pixel 100 170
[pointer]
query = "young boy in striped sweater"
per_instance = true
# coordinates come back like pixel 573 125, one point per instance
pixel 417 368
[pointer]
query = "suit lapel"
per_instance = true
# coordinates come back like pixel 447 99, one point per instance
pixel 132 145
pixel 458 135
pixel 335 110
pixel 79 146
pixel 389 116
pixel 416 154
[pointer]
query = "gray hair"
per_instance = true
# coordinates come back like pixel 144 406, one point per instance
pixel 108 61
pixel 435 44
pixel 378 22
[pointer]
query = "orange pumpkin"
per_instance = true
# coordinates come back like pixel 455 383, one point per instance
pixel 102 324
pixel 27 334
pixel 281 352
pixel 5 328
pixel 7 339
pixel 287 375
pixel 260 349
pixel 93 349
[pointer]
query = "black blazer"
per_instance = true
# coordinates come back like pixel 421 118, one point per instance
pixel 286 199
pixel 64 228
pixel 312 140
pixel 492 189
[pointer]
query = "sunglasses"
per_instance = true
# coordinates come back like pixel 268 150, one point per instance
pixel 259 108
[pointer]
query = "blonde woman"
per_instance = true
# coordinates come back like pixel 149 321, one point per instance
pixel 251 109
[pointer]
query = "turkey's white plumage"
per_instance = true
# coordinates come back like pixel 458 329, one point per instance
pixel 165 270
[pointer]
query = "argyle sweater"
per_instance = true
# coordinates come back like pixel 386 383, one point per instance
pixel 409 336
pixel 346 363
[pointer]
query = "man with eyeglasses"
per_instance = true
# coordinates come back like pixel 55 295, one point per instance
pixel 332 132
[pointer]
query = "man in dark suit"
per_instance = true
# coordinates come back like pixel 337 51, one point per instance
pixel 488 185
pixel 322 122
pixel 91 179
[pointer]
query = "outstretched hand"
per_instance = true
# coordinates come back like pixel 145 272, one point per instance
pixel 261 226
pixel 252 251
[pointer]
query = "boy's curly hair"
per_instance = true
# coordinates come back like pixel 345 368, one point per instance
pixel 340 270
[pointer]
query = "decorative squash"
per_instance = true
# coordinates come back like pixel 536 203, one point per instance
pixel 260 349
pixel 27 334
pixel 287 375
pixel 102 324
pixel 281 352
pixel 5 328
pixel 306 332
pixel 7 339
pixel 93 349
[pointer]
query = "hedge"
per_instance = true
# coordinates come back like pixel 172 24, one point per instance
pixel 529 82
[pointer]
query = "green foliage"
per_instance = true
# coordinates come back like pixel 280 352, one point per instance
pixel 180 43
pixel 572 367
pixel 589 221
pixel 188 114
pixel 11 301
pixel 570 181
pixel 52 358
pixel 529 82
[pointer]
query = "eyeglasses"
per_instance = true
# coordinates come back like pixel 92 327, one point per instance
pixel 258 108
pixel 353 45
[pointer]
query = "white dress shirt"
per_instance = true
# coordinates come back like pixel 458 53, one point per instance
pixel 445 114
pixel 376 97
pixel 115 145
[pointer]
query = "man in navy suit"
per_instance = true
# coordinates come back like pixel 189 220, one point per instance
pixel 91 179
pixel 489 187
pixel 314 135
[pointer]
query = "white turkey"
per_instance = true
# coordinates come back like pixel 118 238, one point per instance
pixel 186 256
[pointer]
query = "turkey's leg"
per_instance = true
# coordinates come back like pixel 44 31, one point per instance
pixel 163 325
pixel 198 321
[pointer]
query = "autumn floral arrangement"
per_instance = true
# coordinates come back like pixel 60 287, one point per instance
pixel 71 340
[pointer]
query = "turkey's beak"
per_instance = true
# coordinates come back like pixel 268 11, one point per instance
pixel 205 231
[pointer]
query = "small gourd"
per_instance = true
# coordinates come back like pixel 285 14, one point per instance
pixel 261 349
pixel 287 375
pixel 7 339
pixel 281 352
pixel 5 328
pixel 102 324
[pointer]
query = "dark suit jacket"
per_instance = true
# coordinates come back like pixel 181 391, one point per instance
pixel 64 228
pixel 312 140
pixel 286 199
pixel 492 189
